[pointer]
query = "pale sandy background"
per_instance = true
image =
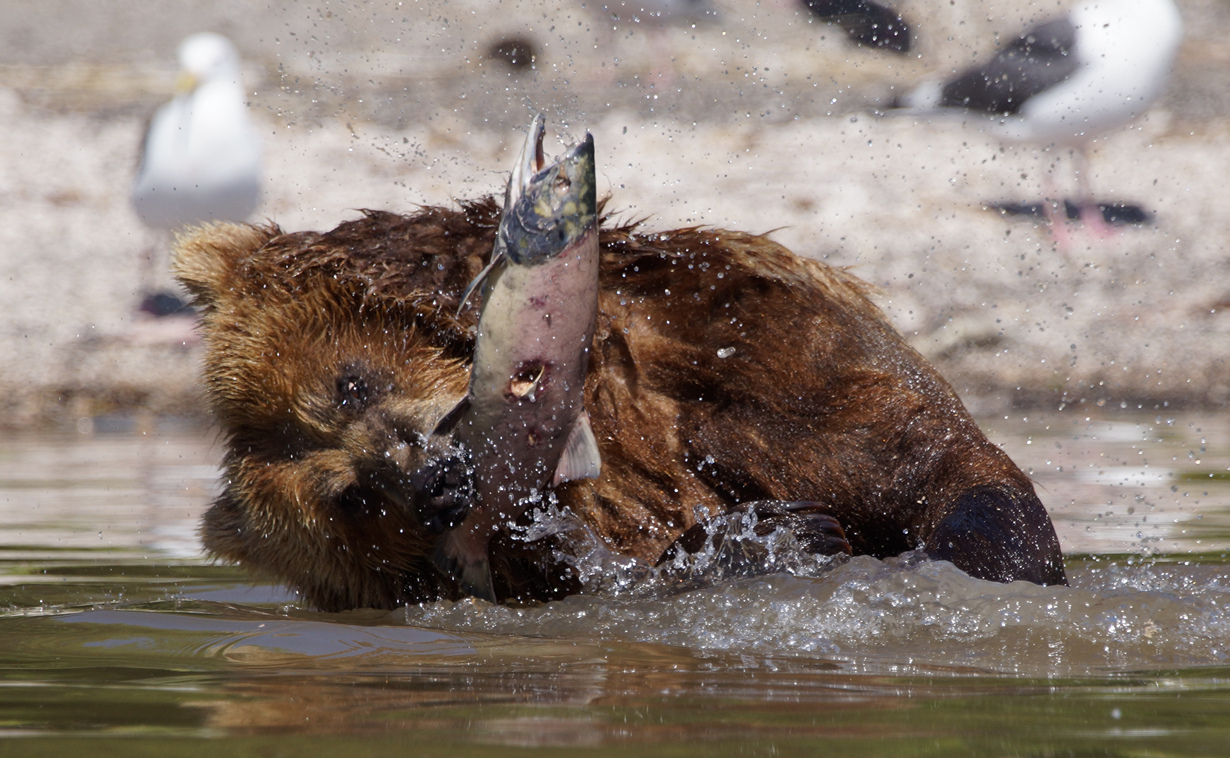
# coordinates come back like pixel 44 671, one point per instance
pixel 765 125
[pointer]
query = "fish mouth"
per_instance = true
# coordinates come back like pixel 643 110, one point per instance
pixel 548 207
pixel 529 163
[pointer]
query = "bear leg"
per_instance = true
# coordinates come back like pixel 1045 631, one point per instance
pixel 1000 536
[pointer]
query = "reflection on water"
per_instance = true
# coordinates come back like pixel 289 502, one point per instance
pixel 112 622
pixel 1144 483
pixel 137 494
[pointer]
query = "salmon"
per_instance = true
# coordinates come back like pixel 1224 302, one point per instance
pixel 522 422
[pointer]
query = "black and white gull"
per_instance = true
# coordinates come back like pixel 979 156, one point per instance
pixel 201 158
pixel 865 22
pixel 1067 80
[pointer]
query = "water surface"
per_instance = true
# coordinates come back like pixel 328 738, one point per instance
pixel 112 624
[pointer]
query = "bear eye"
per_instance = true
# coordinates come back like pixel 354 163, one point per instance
pixel 352 392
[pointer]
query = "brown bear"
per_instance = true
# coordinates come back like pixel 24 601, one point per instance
pixel 727 374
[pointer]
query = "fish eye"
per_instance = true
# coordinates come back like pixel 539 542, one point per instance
pixel 562 183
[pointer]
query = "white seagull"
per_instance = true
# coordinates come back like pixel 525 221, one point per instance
pixel 1068 80
pixel 201 157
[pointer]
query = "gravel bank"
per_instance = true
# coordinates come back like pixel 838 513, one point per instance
pixel 766 125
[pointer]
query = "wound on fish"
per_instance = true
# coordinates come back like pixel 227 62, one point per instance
pixel 527 380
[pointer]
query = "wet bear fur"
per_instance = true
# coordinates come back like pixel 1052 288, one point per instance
pixel 725 371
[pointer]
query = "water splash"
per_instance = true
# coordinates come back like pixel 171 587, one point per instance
pixel 905 613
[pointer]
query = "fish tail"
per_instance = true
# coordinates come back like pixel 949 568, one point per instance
pixel 472 571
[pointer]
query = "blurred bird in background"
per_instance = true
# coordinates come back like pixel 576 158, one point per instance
pixel 864 22
pixel 1066 81
pixel 201 156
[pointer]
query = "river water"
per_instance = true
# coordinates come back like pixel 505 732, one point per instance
pixel 113 625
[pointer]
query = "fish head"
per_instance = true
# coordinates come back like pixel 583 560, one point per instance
pixel 548 208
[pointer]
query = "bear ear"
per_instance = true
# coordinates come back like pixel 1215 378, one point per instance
pixel 206 259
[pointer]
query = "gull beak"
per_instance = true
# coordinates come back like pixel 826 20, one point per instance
pixel 185 82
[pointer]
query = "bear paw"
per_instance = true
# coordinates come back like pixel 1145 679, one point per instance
pixel 443 491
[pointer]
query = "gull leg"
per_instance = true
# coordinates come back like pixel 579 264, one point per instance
pixel 1055 209
pixel 1090 213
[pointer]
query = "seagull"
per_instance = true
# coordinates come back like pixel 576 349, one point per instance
pixel 201 158
pixel 1067 80
pixel 864 22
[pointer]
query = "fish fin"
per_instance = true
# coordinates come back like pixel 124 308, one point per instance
pixel 581 458
pixel 449 422
pixel 497 257
pixel 474 574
